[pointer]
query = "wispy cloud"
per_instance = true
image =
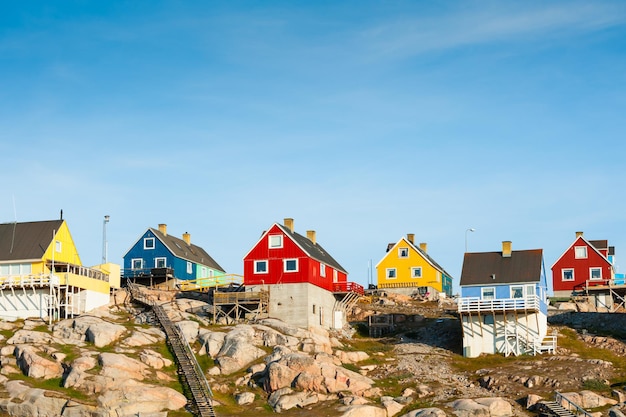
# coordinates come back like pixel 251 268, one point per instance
pixel 495 24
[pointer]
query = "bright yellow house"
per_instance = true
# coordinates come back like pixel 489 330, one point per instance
pixel 41 274
pixel 406 265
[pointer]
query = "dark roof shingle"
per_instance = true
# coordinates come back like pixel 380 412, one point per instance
pixel 29 240
pixel 190 252
pixel 522 266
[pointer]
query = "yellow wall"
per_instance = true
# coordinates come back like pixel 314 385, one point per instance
pixel 85 283
pixel 68 252
pixel 431 277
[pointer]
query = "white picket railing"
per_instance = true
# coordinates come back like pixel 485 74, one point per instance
pixel 475 304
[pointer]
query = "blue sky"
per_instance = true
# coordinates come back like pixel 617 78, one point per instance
pixel 362 120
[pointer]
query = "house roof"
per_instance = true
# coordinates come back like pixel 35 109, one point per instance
pixel 492 268
pixel 29 240
pixel 599 244
pixel 179 248
pixel 313 250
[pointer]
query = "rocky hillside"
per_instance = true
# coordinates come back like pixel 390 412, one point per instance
pixel 114 362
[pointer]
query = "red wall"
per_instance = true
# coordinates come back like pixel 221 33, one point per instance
pixel 308 268
pixel 580 266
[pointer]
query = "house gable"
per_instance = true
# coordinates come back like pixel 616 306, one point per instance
pixel 284 256
pixel 407 265
pixel 574 267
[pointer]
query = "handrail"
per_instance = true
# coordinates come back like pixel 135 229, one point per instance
pixel 471 304
pixel 558 398
pixel 348 287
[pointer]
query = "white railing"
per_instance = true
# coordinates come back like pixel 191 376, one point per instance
pixel 475 304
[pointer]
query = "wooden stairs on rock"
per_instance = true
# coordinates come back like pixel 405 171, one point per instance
pixel 188 368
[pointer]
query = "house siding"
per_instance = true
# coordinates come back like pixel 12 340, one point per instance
pixel 580 266
pixel 308 268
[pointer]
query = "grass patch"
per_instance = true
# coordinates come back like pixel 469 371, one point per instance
pixel 394 384
pixel 596 385
pixel 55 385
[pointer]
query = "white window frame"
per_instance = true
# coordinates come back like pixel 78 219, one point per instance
pixel 578 254
pixel 485 290
pixel 58 246
pixel 204 272
pixel 414 270
pixel 335 278
pixel 134 261
pixel 513 289
pixel 146 245
pixel 286 261
pixel 403 252
pixel 389 271
pixel 595 268
pixel 189 268
pixel 322 270
pixel 563 271
pixel 275 241
pixel 261 262
pixel 161 258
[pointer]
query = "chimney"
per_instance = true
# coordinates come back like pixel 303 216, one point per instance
pixel 410 237
pixel 579 234
pixel 310 234
pixel 506 249
pixel 163 228
pixel 424 247
pixel 289 224
pixel 187 238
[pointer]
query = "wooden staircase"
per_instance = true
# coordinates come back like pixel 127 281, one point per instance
pixel 557 409
pixel 189 371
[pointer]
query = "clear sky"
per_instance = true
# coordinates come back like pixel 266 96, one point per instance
pixel 362 120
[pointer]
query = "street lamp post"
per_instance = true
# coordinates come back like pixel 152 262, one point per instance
pixel 471 229
pixel 104 239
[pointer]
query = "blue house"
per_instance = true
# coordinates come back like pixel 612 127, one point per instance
pixel 157 258
pixel 503 305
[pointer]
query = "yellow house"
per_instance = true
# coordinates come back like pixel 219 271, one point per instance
pixel 407 266
pixel 41 274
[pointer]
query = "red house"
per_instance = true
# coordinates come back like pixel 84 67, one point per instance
pixel 283 256
pixel 584 264
pixel 307 286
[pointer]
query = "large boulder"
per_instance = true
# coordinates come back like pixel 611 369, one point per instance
pixel 363 410
pixel 88 328
pixel 211 342
pixel 482 407
pixel 426 412
pixel 121 367
pixel 143 337
pixel 189 328
pixel 238 351
pixel 30 337
pixel 35 366
pixel 33 402
pixel 135 398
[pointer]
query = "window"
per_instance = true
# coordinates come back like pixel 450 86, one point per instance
pixel 416 272
pixel 276 241
pixel 335 276
pixel 488 293
pixel 488 319
pixel 580 252
pixel 148 243
pixel 15 269
pixel 314 309
pixel 136 263
pixel 391 273
pixel 595 273
pixel 260 267
pixel 567 274
pixel 160 262
pixel 517 291
pixel 58 246
pixel 290 265
pixel 530 291
pixel 403 252
pixel 322 270
pixel 189 267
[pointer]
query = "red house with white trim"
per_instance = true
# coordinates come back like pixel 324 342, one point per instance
pixel 282 256
pixel 584 263
pixel 307 286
